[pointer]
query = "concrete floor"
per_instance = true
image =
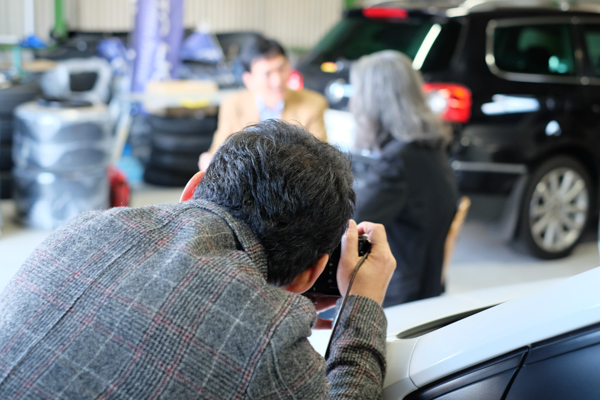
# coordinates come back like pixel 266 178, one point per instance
pixel 479 261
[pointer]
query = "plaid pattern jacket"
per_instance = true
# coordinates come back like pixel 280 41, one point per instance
pixel 171 302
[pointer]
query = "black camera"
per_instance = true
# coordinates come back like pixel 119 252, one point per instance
pixel 326 284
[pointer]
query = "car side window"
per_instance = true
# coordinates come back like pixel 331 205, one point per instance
pixel 592 43
pixel 535 49
pixel 565 367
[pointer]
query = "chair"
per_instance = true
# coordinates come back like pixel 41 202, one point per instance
pixel 457 222
pixel 79 78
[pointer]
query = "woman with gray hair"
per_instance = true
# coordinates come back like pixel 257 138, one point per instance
pixel 410 188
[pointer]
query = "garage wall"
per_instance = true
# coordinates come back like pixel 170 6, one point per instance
pixel 296 23
pixel 12 17
pixel 100 15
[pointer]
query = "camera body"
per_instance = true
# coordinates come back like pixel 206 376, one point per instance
pixel 326 284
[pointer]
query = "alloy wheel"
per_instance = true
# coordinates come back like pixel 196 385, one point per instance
pixel 558 209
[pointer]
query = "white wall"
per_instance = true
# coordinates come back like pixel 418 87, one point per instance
pixel 296 23
pixel 12 17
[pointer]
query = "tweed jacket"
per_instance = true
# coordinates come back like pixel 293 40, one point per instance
pixel 303 107
pixel 171 302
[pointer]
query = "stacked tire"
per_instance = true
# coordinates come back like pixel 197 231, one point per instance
pixel 61 151
pixel 175 146
pixel 10 98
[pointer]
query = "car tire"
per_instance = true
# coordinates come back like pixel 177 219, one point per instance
pixel 556 208
pixel 163 177
pixel 196 144
pixel 46 199
pixel 139 138
pixel 6 130
pixel 6 161
pixel 62 135
pixel 184 126
pixel 5 185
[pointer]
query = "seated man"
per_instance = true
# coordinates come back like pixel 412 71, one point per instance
pixel 201 299
pixel 267 96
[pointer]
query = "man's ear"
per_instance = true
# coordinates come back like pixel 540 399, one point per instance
pixel 190 188
pixel 306 279
pixel 247 79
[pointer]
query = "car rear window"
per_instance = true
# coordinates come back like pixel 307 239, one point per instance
pixel 592 44
pixel 354 37
pixel 535 49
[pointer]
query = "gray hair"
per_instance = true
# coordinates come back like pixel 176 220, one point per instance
pixel 388 100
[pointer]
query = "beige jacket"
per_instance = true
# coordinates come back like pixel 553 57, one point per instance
pixel 304 108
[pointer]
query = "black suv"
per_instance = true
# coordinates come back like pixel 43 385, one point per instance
pixel 520 84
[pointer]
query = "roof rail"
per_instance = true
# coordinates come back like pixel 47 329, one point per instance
pixel 413 3
pixel 563 5
pixel 463 7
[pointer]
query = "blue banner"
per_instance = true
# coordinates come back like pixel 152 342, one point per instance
pixel 156 40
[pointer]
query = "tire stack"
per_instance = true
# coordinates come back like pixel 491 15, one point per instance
pixel 176 144
pixel 10 98
pixel 139 137
pixel 61 151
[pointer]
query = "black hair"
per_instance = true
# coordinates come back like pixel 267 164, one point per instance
pixel 293 190
pixel 257 48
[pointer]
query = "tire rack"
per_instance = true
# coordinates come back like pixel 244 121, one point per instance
pixel 61 151
pixel 195 99
pixel 10 98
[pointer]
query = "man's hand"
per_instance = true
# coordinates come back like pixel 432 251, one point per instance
pixel 374 275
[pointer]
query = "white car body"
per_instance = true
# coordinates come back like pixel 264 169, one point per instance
pixel 518 316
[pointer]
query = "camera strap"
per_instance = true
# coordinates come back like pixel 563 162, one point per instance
pixel 337 317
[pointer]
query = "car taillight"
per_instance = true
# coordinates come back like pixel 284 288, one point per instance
pixel 385 13
pixel 295 81
pixel 453 102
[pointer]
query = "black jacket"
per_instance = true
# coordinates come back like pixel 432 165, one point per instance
pixel 412 191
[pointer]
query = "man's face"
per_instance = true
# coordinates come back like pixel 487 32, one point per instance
pixel 268 77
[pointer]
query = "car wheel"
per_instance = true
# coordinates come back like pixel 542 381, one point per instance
pixel 166 141
pixel 556 208
pixel 12 96
pixel 180 162
pixel 5 185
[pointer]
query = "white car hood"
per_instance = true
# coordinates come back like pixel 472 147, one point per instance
pixel 560 308
pixel 527 313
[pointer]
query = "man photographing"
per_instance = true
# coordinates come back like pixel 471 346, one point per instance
pixel 200 299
